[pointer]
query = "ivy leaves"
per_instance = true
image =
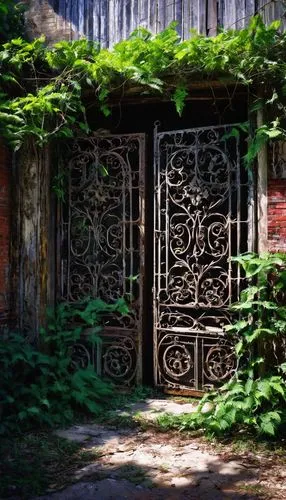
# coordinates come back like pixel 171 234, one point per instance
pixel 11 19
pixel 255 398
pixel 42 90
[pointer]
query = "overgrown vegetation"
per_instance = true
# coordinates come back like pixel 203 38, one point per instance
pixel 43 90
pixel 35 463
pixel 11 19
pixel 50 386
pixel 43 95
pixel 255 397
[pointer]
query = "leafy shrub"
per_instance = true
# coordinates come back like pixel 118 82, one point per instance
pixel 43 387
pixel 43 90
pixel 11 19
pixel 255 396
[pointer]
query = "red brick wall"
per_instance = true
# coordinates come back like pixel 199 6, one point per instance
pixel 5 169
pixel 277 215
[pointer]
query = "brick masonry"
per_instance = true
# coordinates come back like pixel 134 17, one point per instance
pixel 277 215
pixel 5 227
pixel 41 19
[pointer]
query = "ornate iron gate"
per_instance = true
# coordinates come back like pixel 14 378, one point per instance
pixel 102 245
pixel 202 217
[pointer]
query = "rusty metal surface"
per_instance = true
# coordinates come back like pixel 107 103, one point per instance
pixel 103 245
pixel 202 217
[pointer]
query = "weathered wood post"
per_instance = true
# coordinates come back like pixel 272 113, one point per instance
pixel 33 238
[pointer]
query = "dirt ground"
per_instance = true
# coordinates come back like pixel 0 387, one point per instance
pixel 144 463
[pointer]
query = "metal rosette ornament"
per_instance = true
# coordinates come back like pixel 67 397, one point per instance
pixel 120 360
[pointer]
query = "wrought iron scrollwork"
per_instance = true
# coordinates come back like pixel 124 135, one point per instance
pixel 120 359
pixel 80 356
pixel 199 224
pixel 101 232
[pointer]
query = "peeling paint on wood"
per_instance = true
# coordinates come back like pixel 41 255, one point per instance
pixel 109 21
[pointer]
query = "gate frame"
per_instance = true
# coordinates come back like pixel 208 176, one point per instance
pixel 110 332
pixel 257 218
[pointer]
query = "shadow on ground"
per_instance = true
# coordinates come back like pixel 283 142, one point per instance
pixel 133 481
pixel 136 464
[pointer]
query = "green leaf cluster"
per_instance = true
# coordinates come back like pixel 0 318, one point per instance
pixel 255 398
pixel 47 385
pixel 43 90
pixel 11 19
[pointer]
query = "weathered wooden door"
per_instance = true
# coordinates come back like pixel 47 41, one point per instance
pixel 102 246
pixel 202 217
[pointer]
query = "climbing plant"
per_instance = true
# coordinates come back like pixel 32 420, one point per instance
pixel 255 397
pixel 44 89
pixel 11 19
pixel 51 385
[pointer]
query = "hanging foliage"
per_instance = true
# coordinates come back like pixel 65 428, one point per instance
pixel 11 19
pixel 42 89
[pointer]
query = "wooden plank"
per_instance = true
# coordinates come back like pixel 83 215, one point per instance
pixel 161 15
pixel 89 27
pixel 212 18
pixel 266 10
pixel 240 15
pixel 178 15
pixel 117 30
pixel 279 11
pixel 81 17
pixel 230 14
pixel 119 21
pixel 127 19
pixel 104 18
pixel 143 13
pixel 249 10
pixel 61 10
pixel 194 22
pixel 220 13
pixel 96 20
pixel 186 17
pixel 152 15
pixel 202 17
pixel 111 23
pixel 74 18
pixel 67 12
pixel 169 12
pixel 134 15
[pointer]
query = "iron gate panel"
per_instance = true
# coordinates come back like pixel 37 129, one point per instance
pixel 202 217
pixel 102 245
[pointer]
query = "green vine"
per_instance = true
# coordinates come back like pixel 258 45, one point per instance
pixel 11 19
pixel 43 89
pixel 254 398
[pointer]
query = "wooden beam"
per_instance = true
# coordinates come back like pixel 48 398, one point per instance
pixel 262 180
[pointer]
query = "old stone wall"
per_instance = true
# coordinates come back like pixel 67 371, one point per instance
pixel 5 228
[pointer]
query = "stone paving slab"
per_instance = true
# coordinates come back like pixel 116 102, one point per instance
pixel 137 464
pixel 150 409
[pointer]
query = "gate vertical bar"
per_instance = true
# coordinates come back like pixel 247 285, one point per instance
pixel 156 254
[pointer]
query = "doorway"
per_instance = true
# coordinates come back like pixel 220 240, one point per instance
pixel 155 217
